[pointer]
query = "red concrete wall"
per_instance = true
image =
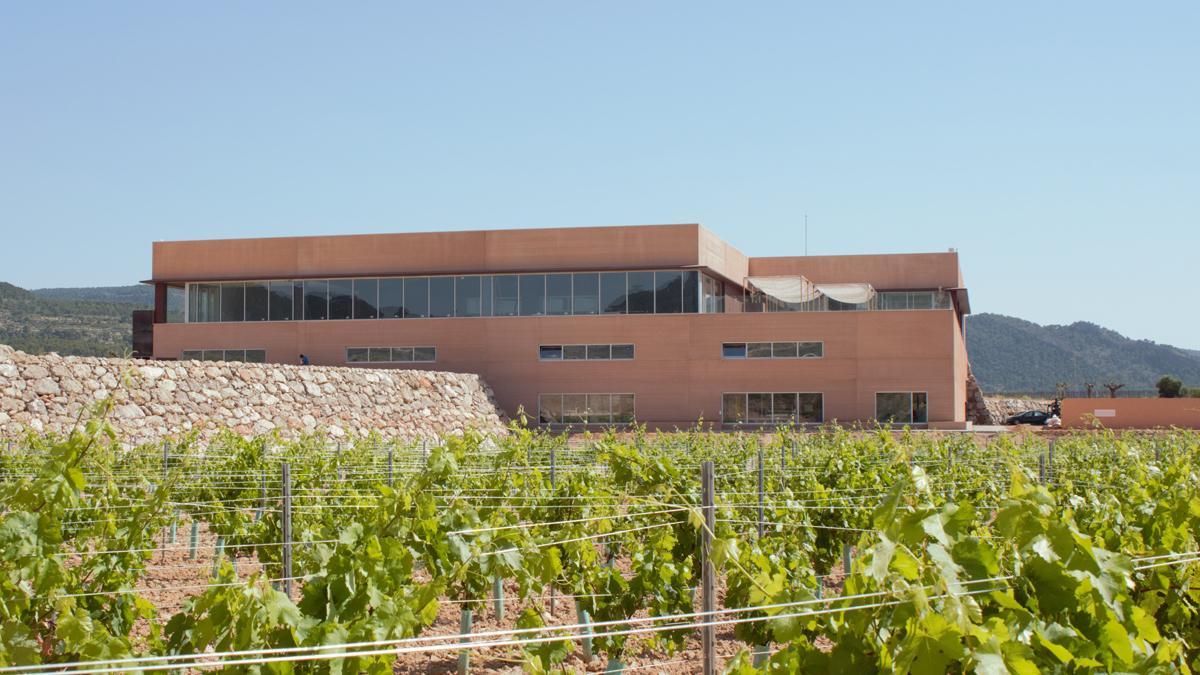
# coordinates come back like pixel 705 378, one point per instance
pixel 1131 413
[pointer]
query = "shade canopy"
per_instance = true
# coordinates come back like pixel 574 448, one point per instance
pixel 794 289
pixel 851 294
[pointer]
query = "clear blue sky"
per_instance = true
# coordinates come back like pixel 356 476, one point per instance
pixel 1055 144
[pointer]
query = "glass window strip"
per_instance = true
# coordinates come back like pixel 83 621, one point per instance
pixel 586 352
pixel 391 354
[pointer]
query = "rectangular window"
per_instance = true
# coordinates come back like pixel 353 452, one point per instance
pixel 733 408
pixel 758 350
pixel 574 409
pixel 758 407
pixel 599 408
pixel 624 408
pixel 214 354
pixel 256 356
pixel 391 298
pixel 772 408
pixel 191 355
pixel 784 350
pixel 366 298
pixel 379 354
pixel 892 301
pixel 812 409
pixel 341 299
pixel 623 352
pixel 586 294
pixel 713 295
pixel 668 292
pixel 416 297
pixel 810 350
pixel 485 293
pixel 558 294
pixel 734 350
pixel 550 408
pixel 783 408
pixel 507 294
pixel 424 354
pixel 575 352
pixel 234 355
pixel 550 352
pixel 297 300
pixel 357 355
pixel 280 301
pixel 921 300
pixel 402 354
pixel 599 352
pixel 441 297
pixel 466 297
pixel 389 354
pixel 257 301
pixel 233 302
pixel 640 293
pixel 246 355
pixel 901 407
pixel 533 294
pixel 691 292
pixel 316 300
pixel 613 295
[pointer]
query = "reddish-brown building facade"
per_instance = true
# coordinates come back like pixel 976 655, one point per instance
pixel 665 324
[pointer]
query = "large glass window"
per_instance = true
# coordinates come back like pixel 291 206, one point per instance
pixel 316 300
pixel 297 300
pixel 390 354
pixel 208 303
pixel 759 350
pixel 783 408
pixel 246 355
pixel 506 294
pixel 613 298
pixel 734 350
pixel 714 295
pixel 624 409
pixel 586 294
pixel 812 409
pixel 485 293
pixel 391 298
pixel 341 299
pixel 758 407
pixel 550 352
pixel 574 408
pixel 668 292
pixel 586 408
pixel 733 408
pixel 533 294
pixel 641 292
pixel 772 408
pixel 558 294
pixel 256 301
pixel 599 408
pixel 366 298
pixel 901 407
pixel 280 302
pixel 691 292
pixel 441 296
pixel 773 350
pixel 550 408
pixel 466 296
pixel 233 302
pixel 416 297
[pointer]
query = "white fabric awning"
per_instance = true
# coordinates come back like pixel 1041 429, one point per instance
pixel 786 289
pixel 851 294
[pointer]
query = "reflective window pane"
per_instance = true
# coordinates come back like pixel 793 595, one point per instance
pixel 466 297
pixel 504 289
pixel 599 352
pixel 558 294
pixel 921 300
pixel 366 298
pixel 622 351
pixel 599 408
pixel 424 354
pixel 784 350
pixel 280 301
pixel 192 355
pixel 783 408
pixel 586 294
pixel 214 354
pixel 256 356
pixel 612 293
pixel 892 301
pixel 256 301
pixel 668 292
pixel 533 294
pixel 391 298
pixel 233 302
pixel 379 354
pixel 811 409
pixel 485 293
pixel 734 350
pixel 920 408
pixel 235 354
pixel 416 297
pixel 691 292
pixel 733 408
pixel 357 355
pixel 550 352
pixel 893 407
pixel 550 408
pixel 758 408
pixel 758 350
pixel 316 300
pixel 402 354
pixel 641 292
pixel 297 300
pixel 441 296
pixel 624 409
pixel 574 408
pixel 575 352
pixel 341 299
pixel 811 350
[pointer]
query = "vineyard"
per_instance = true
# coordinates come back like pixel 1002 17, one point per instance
pixel 829 551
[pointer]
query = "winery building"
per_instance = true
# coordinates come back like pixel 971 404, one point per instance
pixel 661 324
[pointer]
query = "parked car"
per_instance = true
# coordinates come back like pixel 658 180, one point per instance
pixel 1034 417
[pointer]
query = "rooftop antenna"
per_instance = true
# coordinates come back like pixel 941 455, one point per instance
pixel 806 234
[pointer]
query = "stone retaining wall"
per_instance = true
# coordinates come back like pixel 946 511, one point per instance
pixel 160 398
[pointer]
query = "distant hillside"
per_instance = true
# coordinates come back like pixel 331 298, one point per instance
pixel 140 294
pixel 1014 355
pixel 37 324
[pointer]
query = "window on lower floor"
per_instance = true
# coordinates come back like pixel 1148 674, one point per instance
pixel 772 408
pixel 586 408
pixel 585 352
pixel 245 355
pixel 902 407
pixel 391 354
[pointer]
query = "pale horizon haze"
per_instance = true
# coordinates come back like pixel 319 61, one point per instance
pixel 1056 146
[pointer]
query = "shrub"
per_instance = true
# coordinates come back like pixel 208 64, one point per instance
pixel 1169 387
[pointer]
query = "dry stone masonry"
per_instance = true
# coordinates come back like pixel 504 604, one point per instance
pixel 153 399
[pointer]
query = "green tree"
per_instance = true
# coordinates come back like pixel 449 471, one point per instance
pixel 1169 387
